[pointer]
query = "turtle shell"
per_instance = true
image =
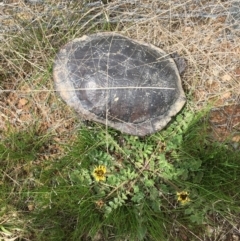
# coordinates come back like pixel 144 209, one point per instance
pixel 131 86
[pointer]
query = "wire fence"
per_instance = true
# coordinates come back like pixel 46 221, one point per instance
pixel 115 11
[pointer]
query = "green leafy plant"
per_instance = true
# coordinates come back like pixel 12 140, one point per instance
pixel 142 179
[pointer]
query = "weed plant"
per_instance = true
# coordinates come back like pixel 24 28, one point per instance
pixel 137 198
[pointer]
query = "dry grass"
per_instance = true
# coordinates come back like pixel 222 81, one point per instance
pixel 199 30
pixel 205 33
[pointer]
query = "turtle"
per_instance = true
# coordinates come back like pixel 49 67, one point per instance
pixel 132 86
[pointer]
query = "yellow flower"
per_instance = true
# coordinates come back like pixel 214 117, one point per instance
pixel 99 173
pixel 183 197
